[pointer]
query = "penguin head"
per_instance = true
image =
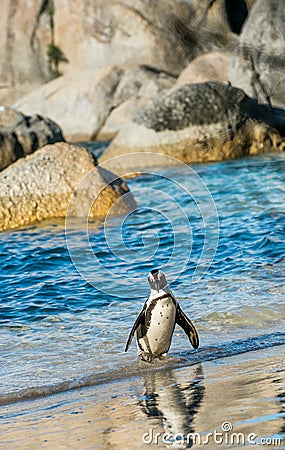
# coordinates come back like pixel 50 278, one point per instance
pixel 157 280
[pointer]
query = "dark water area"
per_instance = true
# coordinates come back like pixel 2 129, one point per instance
pixel 67 307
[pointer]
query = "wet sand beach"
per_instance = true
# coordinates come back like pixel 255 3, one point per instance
pixel 226 403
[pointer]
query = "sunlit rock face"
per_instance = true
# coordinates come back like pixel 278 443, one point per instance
pixel 41 186
pixel 198 123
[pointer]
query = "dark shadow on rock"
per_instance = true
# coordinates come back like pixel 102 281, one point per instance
pixel 274 117
pixel 236 12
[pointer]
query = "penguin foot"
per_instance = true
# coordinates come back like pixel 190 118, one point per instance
pixel 145 357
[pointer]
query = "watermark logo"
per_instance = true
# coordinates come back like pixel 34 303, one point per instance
pixel 171 200
pixel 225 436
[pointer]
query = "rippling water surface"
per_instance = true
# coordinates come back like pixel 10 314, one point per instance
pixel 66 324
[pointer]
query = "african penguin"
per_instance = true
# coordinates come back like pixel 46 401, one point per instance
pixel 156 322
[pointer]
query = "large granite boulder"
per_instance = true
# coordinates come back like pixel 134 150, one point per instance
pixel 78 102
pixel 197 123
pixel 21 135
pixel 259 62
pixel 165 34
pixel 82 102
pixel 24 35
pixel 42 185
pixel 137 85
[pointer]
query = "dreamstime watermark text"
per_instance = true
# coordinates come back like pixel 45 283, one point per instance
pixel 225 436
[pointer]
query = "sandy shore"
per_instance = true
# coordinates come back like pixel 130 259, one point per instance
pixel 242 394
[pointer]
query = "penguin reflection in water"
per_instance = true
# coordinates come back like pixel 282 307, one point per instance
pixel 156 322
pixel 174 406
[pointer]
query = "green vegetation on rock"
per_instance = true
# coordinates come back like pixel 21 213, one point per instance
pixel 55 56
pixel 54 53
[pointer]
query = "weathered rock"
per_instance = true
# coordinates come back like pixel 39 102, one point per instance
pixel 249 3
pixel 137 85
pixel 82 102
pixel 78 102
pixel 24 35
pixel 212 66
pixel 166 34
pixel 258 65
pixel 41 185
pixel 21 135
pixel 11 94
pixel 196 123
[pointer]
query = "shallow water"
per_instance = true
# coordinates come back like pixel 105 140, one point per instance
pixel 63 324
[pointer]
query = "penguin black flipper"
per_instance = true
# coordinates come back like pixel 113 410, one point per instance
pixel 139 321
pixel 185 323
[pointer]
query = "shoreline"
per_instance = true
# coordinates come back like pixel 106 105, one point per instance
pixel 245 390
pixel 135 369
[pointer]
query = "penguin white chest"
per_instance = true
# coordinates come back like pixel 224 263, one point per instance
pixel 160 325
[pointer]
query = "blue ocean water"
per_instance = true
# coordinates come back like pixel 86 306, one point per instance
pixel 66 310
